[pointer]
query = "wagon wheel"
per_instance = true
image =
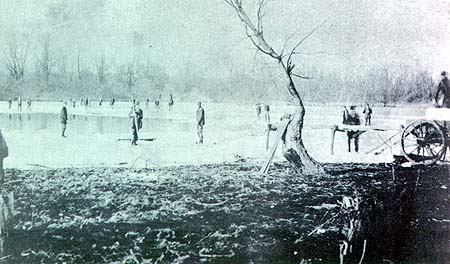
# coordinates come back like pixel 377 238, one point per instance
pixel 423 142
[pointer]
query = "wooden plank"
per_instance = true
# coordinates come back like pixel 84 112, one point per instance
pixel 343 128
pixel 281 129
pixel 140 139
pixel 333 135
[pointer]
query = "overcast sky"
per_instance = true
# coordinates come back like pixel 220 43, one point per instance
pixel 206 35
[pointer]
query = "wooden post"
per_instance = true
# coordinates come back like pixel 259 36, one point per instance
pixel 281 129
pixel 268 129
pixel 333 134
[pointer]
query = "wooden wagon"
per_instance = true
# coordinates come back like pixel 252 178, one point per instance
pixel 426 141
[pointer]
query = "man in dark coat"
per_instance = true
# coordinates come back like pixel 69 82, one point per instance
pixel 139 117
pixel 63 119
pixel 444 88
pixel 352 119
pixel 170 102
pixel 3 154
pixel 134 127
pixel 200 122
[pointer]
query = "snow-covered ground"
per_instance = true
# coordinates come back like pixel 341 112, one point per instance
pixel 231 131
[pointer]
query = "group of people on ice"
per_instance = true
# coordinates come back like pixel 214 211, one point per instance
pixel 351 117
pixel 136 116
pixel 19 102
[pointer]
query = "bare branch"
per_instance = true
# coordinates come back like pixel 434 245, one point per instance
pixel 256 35
pixel 15 60
pixel 301 76
pixel 305 38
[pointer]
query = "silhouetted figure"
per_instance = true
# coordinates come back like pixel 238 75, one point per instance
pixel 113 101
pixel 139 117
pixel 134 128
pixel 170 102
pixel 258 110
pixel 367 115
pixel 3 154
pixel 352 118
pixel 444 88
pixel 147 103
pixel 63 119
pixel 19 104
pixel 9 103
pixel 200 122
pixel 100 101
pixel 267 114
pixel 29 105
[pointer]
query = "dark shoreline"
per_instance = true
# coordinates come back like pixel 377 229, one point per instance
pixel 227 213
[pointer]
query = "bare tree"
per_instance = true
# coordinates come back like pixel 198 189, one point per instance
pixel 129 76
pixel 15 60
pixel 79 67
pixel 62 68
pixel 45 62
pixel 101 69
pixel 293 148
pixel 156 75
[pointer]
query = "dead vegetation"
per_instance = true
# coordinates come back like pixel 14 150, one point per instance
pixel 227 213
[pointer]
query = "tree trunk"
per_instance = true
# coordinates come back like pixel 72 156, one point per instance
pixel 293 148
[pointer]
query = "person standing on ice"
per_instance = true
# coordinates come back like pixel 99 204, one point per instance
pixel 352 119
pixel 3 154
pixel 63 119
pixel 258 110
pixel 19 104
pixel 9 103
pixel 134 127
pixel 367 114
pixel 139 116
pixel 170 102
pixel 29 105
pixel 267 114
pixel 200 122
pixel 444 88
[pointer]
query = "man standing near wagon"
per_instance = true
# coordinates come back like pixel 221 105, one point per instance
pixel 200 122
pixel 63 119
pixel 352 118
pixel 367 115
pixel 444 88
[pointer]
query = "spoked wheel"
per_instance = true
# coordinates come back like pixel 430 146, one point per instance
pixel 423 142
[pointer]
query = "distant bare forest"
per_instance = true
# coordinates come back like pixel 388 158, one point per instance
pixel 51 78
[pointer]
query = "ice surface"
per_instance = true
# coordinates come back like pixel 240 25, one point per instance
pixel 232 131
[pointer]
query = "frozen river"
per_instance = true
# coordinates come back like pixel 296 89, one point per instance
pixel 231 130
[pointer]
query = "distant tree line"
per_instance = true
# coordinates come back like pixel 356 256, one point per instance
pixel 382 86
pixel 48 76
